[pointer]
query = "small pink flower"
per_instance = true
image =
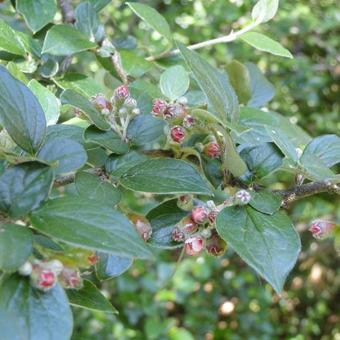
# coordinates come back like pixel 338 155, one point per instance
pixel 187 225
pixel 101 103
pixel 177 134
pixel 199 215
pixel 174 110
pixel 212 150
pixel 177 235
pixel 70 278
pixel 193 245
pixel 321 228
pixel 158 107
pixel 121 92
pixel 188 121
pixel 215 245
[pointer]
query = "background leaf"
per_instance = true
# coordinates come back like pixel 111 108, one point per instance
pixel 86 20
pixel 9 42
pixel 265 10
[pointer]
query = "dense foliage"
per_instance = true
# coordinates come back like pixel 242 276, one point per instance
pixel 123 149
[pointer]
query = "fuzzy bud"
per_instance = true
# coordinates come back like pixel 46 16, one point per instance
pixel 188 121
pixel 130 103
pixel 193 245
pixel 159 106
pixel 199 215
pixel 215 245
pixel 43 278
pixel 55 265
pixel 206 233
pixel 121 93
pixel 212 216
pixel 25 269
pixel 187 225
pixel 242 197
pixel 212 150
pixel 100 102
pixel 70 278
pixel 174 110
pixel 177 134
pixel 321 228
pixel 144 229
pixel 177 235
pixel 182 100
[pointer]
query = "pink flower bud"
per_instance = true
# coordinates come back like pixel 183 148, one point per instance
pixel 159 106
pixel 177 235
pixel 121 92
pixel 215 245
pixel 321 228
pixel 193 245
pixel 187 225
pixel 212 216
pixel 43 277
pixel 70 278
pixel 188 121
pixel 177 134
pixel 143 228
pixel 242 197
pixel 174 110
pixel 212 150
pixel 101 103
pixel 199 215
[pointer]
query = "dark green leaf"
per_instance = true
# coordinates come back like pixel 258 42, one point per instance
pixel 263 43
pixel 69 154
pixel 152 18
pixel 24 187
pixel 265 201
pixel 145 131
pixel 15 246
pixel 110 266
pixel 77 100
pixel 165 176
pixel 90 297
pixel 65 40
pixel 9 42
pixel 174 82
pixel 37 13
pixel 268 243
pixel 47 100
pixel 89 224
pixel 216 86
pixel 20 113
pixel 65 131
pixel 108 139
pixel 97 156
pixel 91 187
pixel 38 315
pixel 163 219
pixel 86 20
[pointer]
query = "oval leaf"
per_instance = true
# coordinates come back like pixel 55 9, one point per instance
pixel 110 266
pixel 9 41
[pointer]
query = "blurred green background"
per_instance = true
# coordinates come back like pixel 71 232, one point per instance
pixel 209 298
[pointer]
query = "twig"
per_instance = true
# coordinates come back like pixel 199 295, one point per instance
pixel 66 11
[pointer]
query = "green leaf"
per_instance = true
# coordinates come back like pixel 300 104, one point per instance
pixel 9 41
pixel 99 4
pixel 268 243
pixel 80 83
pixel 86 20
pixel 107 139
pixel 133 64
pixel 15 246
pixel 65 131
pixel 263 43
pixel 163 219
pixel 47 100
pixel 174 82
pixel 326 148
pixel 38 315
pixel 117 166
pixel 20 113
pixel 110 266
pixel 37 13
pixel 165 176
pixel 216 86
pixel 145 131
pixel 89 224
pixel 265 201
pixel 15 71
pixel 240 80
pixel 24 187
pixel 265 10
pixel 69 154
pixel 90 297
pixel 262 91
pixel 152 18
pixel 32 46
pixel 91 187
pixel 65 40
pixel 77 100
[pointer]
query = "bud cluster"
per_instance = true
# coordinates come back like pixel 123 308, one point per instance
pixel 44 275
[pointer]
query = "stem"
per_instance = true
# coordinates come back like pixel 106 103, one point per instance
pixel 66 11
pixel 224 39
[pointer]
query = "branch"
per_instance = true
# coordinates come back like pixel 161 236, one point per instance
pixel 68 179
pixel 305 190
pixel 224 39
pixel 66 11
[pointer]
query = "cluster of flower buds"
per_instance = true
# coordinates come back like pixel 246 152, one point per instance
pixel 321 228
pixel 44 275
pixel 177 115
pixel 197 230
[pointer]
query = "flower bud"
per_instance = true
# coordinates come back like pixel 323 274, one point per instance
pixel 93 259
pixel 212 150
pixel 242 197
pixel 100 102
pixel 188 121
pixel 43 278
pixel 142 226
pixel 182 100
pixel 55 265
pixel 187 225
pixel 321 228
pixel 174 110
pixel 185 202
pixel 25 269
pixel 70 278
pixel 159 106
pixel 136 111
pixel 121 92
pixel 215 245
pixel 199 215
pixel 193 245
pixel 177 134
pixel 130 103
pixel 177 235
pixel 212 216
pixel 206 233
